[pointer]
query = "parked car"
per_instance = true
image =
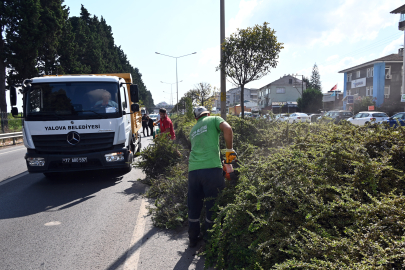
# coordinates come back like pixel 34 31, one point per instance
pixel 281 117
pixel 368 117
pixel 247 114
pixel 314 117
pixel 153 116
pixel 337 116
pixel 393 121
pixel 299 117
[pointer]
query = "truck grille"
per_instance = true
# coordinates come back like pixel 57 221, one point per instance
pixel 89 142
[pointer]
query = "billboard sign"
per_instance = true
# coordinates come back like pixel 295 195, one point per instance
pixel 403 98
pixel 359 83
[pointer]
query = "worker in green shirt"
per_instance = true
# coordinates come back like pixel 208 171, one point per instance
pixel 205 178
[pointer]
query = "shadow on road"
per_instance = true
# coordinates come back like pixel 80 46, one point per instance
pixel 34 193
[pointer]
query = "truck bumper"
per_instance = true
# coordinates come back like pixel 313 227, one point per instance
pixel 95 161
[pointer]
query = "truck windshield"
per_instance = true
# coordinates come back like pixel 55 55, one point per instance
pixel 76 100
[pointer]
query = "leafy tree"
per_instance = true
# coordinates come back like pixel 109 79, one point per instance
pixel 7 13
pixel 21 41
pixel 315 81
pixel 189 109
pixel 51 24
pixel 249 54
pixel 38 37
pixel 311 100
pixel 362 105
pixel 203 92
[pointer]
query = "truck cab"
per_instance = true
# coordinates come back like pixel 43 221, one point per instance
pixel 80 122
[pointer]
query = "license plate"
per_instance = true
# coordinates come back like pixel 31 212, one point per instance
pixel 74 160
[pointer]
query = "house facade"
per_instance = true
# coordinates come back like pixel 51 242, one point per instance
pixel 233 96
pixel 380 79
pixel 281 95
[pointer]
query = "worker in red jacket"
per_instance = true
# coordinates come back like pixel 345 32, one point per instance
pixel 166 125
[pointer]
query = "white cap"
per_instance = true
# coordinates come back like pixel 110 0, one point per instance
pixel 200 110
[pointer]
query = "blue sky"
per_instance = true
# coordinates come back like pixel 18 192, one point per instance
pixel 333 34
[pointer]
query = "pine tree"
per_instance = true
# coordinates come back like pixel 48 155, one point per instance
pixel 51 25
pixel 315 80
pixel 22 44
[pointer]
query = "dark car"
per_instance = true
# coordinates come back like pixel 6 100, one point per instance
pixel 394 120
pixel 337 115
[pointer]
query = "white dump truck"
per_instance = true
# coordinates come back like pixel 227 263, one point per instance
pixel 79 122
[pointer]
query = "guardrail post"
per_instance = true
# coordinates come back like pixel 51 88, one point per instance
pixel 13 141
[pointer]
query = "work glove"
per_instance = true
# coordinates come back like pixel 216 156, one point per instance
pixel 230 156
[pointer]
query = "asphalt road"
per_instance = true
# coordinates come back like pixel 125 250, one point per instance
pixel 12 161
pixel 92 220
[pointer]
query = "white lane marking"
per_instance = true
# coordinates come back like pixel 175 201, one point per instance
pixel 22 148
pixel 53 223
pixel 131 262
pixel 14 178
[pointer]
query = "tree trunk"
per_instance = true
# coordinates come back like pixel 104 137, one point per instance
pixel 242 100
pixel 3 102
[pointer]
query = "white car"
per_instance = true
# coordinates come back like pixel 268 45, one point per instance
pixel 153 116
pixel 281 117
pixel 247 114
pixel 367 117
pixel 299 117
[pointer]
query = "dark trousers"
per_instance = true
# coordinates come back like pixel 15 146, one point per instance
pixel 151 130
pixel 147 130
pixel 202 184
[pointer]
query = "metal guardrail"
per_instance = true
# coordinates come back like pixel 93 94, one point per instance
pixel 13 136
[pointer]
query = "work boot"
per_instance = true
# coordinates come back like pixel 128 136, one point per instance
pixel 201 250
pixel 194 242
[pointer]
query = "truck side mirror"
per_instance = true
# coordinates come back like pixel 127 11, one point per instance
pixel 14 111
pixel 134 93
pixel 26 89
pixel 13 96
pixel 135 107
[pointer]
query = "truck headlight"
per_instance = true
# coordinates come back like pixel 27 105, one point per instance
pixel 36 161
pixel 118 156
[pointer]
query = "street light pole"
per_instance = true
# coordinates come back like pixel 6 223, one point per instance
pixel 223 76
pixel 171 94
pixel 177 83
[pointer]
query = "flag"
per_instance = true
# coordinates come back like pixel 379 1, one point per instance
pixel 334 88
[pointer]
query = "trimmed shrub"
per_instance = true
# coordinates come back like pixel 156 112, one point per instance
pixel 309 196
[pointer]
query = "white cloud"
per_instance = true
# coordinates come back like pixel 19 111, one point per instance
pixel 246 9
pixel 356 20
pixel 344 63
pixel 332 57
pixel 393 46
pixel 294 55
pixel 210 56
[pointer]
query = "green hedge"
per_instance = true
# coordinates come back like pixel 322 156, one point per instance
pixel 13 124
pixel 309 196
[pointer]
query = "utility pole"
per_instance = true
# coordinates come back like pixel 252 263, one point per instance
pixel 223 76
